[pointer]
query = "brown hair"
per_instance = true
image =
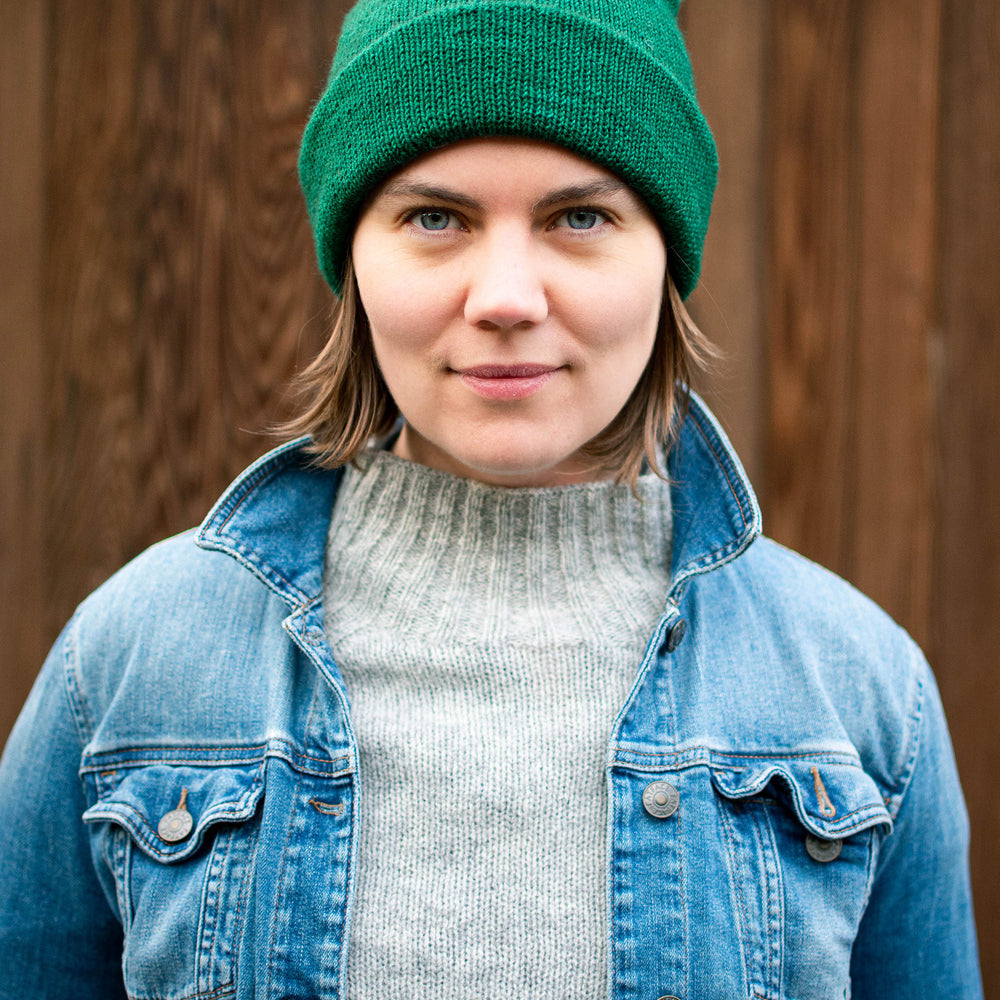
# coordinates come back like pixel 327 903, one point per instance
pixel 347 401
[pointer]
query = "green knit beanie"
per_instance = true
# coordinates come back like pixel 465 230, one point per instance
pixel 608 79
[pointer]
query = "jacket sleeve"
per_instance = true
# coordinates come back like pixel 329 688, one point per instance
pixel 59 936
pixel 917 937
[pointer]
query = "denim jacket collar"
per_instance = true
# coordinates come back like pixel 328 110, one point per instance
pixel 274 517
pixel 715 513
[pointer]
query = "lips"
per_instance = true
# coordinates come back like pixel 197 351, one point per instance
pixel 508 371
pixel 507 382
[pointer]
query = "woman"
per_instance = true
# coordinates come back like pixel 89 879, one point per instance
pixel 508 696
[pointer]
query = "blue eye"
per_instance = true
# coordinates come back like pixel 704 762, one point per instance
pixel 433 221
pixel 583 218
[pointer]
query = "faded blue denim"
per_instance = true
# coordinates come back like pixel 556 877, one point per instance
pixel 791 707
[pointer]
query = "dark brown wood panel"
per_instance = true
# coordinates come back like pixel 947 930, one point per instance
pixel 22 397
pixel 889 497
pixel 91 308
pixel 853 138
pixel 183 288
pixel 812 272
pixel 966 353
pixel 728 45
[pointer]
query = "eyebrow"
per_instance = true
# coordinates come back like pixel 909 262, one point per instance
pixel 410 189
pixel 581 192
pixel 561 196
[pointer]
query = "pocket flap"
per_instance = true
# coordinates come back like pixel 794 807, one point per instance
pixel 210 795
pixel 831 800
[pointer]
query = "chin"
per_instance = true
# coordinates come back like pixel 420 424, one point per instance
pixel 520 469
pixel 514 456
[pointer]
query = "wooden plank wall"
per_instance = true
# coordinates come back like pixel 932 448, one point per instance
pixel 160 287
pixel 852 276
pixel 163 285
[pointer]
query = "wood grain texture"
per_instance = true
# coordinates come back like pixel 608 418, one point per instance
pixel 22 398
pixel 183 290
pixel 966 582
pixel 890 480
pixel 728 45
pixel 853 137
pixel 811 277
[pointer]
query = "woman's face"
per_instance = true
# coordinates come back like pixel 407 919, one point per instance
pixel 513 292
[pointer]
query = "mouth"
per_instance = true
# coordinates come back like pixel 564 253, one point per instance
pixel 506 382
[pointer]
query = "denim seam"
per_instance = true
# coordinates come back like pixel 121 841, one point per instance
pixel 735 546
pixel 226 990
pixel 268 470
pixel 870 869
pixel 349 892
pixel 775 895
pixel 685 913
pixel 264 572
pixel 212 533
pixel 242 898
pixel 203 961
pixel 906 772
pixel 121 849
pixel 827 756
pixel 73 685
pixel 257 754
pixel 615 894
pixel 229 987
pixel 711 447
pixel 276 916
pixel 252 483
pixel 730 838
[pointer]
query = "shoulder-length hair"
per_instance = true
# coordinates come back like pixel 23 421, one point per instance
pixel 347 403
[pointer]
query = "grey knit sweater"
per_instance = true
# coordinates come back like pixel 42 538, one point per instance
pixel 487 638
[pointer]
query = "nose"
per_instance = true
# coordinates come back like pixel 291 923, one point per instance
pixel 506 289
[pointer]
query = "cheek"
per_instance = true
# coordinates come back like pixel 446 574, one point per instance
pixel 393 294
pixel 407 347
pixel 406 312
pixel 617 318
pixel 398 330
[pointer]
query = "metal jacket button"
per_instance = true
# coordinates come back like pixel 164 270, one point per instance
pixel 660 799
pixel 176 824
pixel 823 850
pixel 674 635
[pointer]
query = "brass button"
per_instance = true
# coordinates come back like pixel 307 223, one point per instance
pixel 823 850
pixel 660 799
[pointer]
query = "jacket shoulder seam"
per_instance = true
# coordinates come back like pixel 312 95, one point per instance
pixel 73 683
pixel 915 729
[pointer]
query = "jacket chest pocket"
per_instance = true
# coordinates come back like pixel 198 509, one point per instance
pixel 801 838
pixel 179 843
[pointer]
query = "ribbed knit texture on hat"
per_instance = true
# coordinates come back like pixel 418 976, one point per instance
pixel 487 639
pixel 607 79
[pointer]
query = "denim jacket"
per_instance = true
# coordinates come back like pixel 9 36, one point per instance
pixel 178 801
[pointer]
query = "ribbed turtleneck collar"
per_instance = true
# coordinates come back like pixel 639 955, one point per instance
pixel 453 557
